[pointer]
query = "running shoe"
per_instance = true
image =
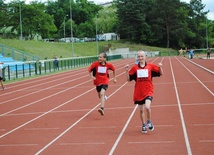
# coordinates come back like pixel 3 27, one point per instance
pixel 144 128
pixel 105 97
pixel 101 111
pixel 150 126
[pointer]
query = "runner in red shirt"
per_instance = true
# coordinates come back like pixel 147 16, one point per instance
pixel 143 73
pixel 98 72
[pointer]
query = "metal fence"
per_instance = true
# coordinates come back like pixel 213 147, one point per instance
pixel 33 68
pixel 16 54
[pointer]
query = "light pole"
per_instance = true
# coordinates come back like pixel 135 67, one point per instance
pixel 72 44
pixel 64 24
pixel 96 35
pixel 20 16
pixel 206 34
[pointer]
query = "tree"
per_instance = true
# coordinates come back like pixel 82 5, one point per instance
pixel 106 20
pixel 197 24
pixel 168 23
pixel 34 20
pixel 131 20
pixel 83 13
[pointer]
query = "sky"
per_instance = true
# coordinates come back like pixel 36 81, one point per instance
pixel 209 5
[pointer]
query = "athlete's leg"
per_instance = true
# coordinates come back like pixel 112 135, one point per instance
pixel 148 108
pixel 102 97
pixel 2 84
pixel 142 114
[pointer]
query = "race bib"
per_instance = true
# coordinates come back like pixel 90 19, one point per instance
pixel 142 73
pixel 102 69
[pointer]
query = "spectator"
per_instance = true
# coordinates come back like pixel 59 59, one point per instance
pixel 56 63
pixel 1 76
pixel 208 53
pixel 191 53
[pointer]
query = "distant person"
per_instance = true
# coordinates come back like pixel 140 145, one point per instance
pixel 56 63
pixel 186 51
pixel 181 51
pixel 136 60
pixel 1 76
pixel 191 53
pixel 98 72
pixel 208 53
pixel 142 73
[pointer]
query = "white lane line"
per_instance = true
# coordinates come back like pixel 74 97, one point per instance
pixel 2 129
pixel 31 129
pixel 128 107
pixel 159 126
pixel 181 113
pixel 97 143
pixel 152 142
pixel 203 124
pixel 105 127
pixel 122 132
pixel 206 141
pixel 17 145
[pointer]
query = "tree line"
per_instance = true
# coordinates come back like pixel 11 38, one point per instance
pixel 162 23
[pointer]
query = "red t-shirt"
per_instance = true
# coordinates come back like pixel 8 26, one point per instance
pixel 143 78
pixel 101 72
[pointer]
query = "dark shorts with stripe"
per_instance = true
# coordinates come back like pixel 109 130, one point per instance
pixel 1 78
pixel 144 100
pixel 104 86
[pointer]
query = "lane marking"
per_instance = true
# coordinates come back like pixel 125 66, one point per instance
pixel 180 112
pixel 15 145
pixel 41 129
pixel 160 126
pixel 206 141
pixel 94 143
pixel 115 108
pixel 152 142
pixel 2 129
pixel 97 127
pixel 203 124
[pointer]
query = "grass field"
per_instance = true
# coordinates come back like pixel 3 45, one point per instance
pixel 47 50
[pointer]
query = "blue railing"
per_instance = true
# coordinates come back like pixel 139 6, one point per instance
pixel 16 54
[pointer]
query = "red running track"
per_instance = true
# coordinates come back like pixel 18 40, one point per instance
pixel 57 114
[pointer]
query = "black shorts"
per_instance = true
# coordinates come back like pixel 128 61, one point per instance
pixel 144 100
pixel 104 86
pixel 1 78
